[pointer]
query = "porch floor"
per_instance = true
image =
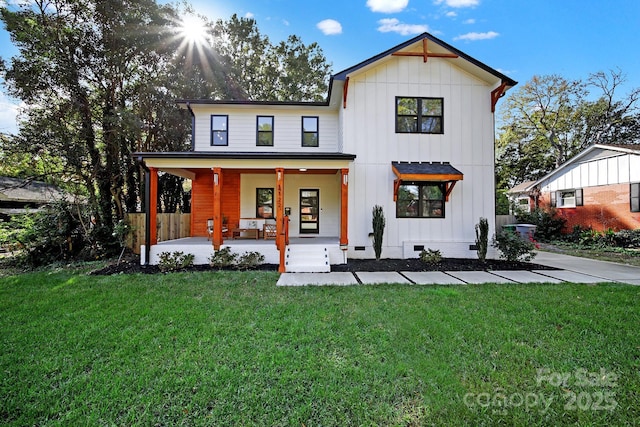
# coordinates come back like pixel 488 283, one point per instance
pixel 200 241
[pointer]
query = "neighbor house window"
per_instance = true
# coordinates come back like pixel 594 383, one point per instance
pixel 219 130
pixel 634 197
pixel 419 115
pixel 265 130
pixel 310 131
pixel 420 200
pixel 567 198
pixel 264 202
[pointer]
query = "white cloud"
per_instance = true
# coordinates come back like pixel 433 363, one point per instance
pixel 249 15
pixel 469 21
pixel 458 3
pixel 477 36
pixel 392 25
pixel 451 14
pixel 285 23
pixel 329 27
pixel 8 113
pixel 387 6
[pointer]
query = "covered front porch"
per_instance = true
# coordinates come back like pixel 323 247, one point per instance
pixel 241 203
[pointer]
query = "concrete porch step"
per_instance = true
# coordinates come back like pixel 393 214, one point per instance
pixel 307 259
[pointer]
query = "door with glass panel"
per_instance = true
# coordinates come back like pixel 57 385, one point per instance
pixel 309 211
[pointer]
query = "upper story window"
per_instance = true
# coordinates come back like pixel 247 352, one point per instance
pixel 634 196
pixel 265 130
pixel 219 130
pixel 419 115
pixel 310 131
pixel 420 200
pixel 567 198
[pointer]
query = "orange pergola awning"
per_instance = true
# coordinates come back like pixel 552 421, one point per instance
pixel 425 171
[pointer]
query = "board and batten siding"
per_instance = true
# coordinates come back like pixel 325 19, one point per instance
pixel 618 169
pixel 287 128
pixel 467 143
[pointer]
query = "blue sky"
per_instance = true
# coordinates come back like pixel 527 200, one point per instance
pixel 520 38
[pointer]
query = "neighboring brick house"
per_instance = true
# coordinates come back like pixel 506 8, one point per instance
pixel 598 188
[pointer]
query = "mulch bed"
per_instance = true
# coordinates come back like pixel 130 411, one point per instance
pixel 132 265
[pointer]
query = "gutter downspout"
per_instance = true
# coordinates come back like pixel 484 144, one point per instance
pixel 147 219
pixel 193 127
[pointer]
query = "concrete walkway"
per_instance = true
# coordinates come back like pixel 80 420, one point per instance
pixel 572 269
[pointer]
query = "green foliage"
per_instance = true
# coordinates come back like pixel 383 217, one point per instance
pixel 430 256
pixel 175 261
pixel 249 260
pixel 513 247
pixel 378 229
pixel 57 232
pixel 223 258
pixel 482 239
pixel 549 226
pixel 628 238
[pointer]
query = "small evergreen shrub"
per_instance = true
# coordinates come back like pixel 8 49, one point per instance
pixel 223 258
pixel 628 238
pixel 513 247
pixel 249 260
pixel 174 261
pixel 378 230
pixel 482 238
pixel 430 256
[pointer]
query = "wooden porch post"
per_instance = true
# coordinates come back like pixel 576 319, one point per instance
pixel 279 208
pixel 344 208
pixel 217 208
pixel 152 209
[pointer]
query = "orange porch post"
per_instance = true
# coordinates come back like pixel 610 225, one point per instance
pixel 217 208
pixel 344 208
pixel 152 209
pixel 279 208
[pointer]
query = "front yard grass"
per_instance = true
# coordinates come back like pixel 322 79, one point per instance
pixel 230 348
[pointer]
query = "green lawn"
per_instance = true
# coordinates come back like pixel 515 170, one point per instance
pixel 230 348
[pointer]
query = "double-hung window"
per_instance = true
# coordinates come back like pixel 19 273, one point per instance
pixel 420 200
pixel 264 202
pixel 219 130
pixel 634 196
pixel 265 131
pixel 419 115
pixel 310 131
pixel 567 198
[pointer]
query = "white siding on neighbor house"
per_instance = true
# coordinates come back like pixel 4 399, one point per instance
pixel 467 143
pixel 328 184
pixel 619 169
pixel 287 128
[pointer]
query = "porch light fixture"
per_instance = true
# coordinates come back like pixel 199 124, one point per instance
pixel 302 169
pixel 279 175
pixel 215 178
pixel 345 179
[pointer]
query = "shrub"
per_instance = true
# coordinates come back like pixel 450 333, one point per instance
pixel 174 261
pixel 548 226
pixel 223 258
pixel 513 247
pixel 378 230
pixel 628 238
pixel 249 260
pixel 482 238
pixel 430 256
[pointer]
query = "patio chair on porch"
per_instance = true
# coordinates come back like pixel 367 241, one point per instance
pixel 225 229
pixel 269 231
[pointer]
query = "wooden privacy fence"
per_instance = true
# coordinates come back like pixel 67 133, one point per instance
pixel 504 220
pixel 170 226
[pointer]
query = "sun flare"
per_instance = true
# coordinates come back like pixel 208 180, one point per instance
pixel 193 30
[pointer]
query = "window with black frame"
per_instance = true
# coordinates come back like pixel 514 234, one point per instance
pixel 419 115
pixel 265 130
pixel 420 200
pixel 264 202
pixel 310 131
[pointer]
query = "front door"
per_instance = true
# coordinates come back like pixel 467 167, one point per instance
pixel 309 211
